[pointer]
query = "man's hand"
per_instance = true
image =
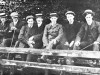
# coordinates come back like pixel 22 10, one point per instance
pixel 54 41
pixel 71 44
pixel 66 43
pixel 96 42
pixel 13 28
pixel 51 43
pixel 30 43
pixel 31 38
pixel 77 43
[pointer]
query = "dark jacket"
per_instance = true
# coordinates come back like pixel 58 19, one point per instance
pixel 94 31
pixel 16 32
pixel 4 29
pixel 35 31
pixel 26 33
pixel 39 33
pixel 70 31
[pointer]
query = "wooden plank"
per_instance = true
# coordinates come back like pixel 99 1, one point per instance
pixel 68 53
pixel 67 68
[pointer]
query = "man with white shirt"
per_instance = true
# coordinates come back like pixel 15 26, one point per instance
pixel 88 37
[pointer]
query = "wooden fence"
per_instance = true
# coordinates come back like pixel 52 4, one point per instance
pixel 90 70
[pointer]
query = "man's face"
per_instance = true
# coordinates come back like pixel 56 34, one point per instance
pixel 70 17
pixel 3 19
pixel 15 19
pixel 39 20
pixel 53 19
pixel 30 21
pixel 88 17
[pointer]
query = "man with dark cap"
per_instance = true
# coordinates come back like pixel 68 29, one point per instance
pixel 88 37
pixel 52 33
pixel 14 29
pixel 70 28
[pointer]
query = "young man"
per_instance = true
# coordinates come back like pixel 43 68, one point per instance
pixel 40 29
pixel 26 33
pixel 14 29
pixel 88 37
pixel 71 28
pixel 52 33
pixel 25 38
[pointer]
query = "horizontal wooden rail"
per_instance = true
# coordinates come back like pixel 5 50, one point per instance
pixel 68 53
pixel 67 68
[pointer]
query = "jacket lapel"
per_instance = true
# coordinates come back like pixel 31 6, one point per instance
pixel 93 25
pixel 17 24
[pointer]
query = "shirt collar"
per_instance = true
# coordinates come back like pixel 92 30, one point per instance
pixel 54 25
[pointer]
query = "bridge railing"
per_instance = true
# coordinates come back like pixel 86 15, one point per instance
pixel 89 55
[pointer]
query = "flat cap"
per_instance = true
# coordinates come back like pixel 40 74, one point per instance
pixel 39 15
pixel 88 11
pixel 3 15
pixel 29 17
pixel 70 12
pixel 53 14
pixel 14 14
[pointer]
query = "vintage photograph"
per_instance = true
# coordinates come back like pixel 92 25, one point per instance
pixel 49 37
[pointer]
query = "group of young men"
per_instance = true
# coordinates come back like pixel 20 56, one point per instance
pixel 71 35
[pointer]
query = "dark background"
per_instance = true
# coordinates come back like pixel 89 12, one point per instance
pixel 26 7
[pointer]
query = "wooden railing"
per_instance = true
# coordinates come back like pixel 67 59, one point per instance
pixel 64 53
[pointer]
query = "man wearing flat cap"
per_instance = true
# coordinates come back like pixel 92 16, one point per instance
pixel 14 29
pixel 25 37
pixel 51 36
pixel 40 29
pixel 88 37
pixel 71 28
pixel 52 33
pixel 26 33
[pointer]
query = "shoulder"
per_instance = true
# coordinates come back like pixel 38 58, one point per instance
pixel 97 23
pixel 59 25
pixel 11 23
pixel 78 22
pixel 8 22
pixel 24 26
pixel 21 22
pixel 48 25
pixel 83 26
